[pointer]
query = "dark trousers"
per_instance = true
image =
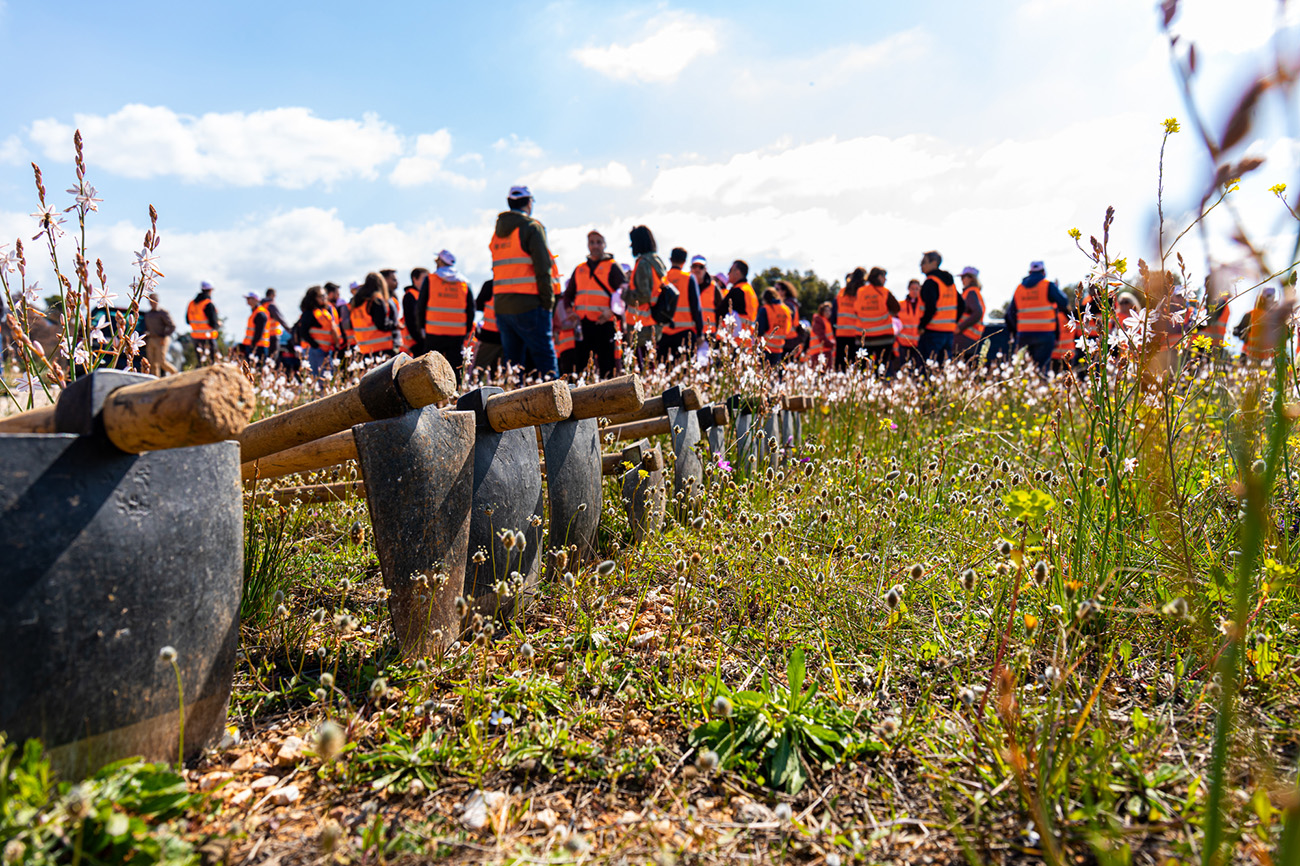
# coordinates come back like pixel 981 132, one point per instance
pixel 597 342
pixel 936 345
pixel 1039 345
pixel 671 345
pixel 846 352
pixel 908 357
pixel 527 341
pixel 450 347
pixel 566 360
pixel 880 355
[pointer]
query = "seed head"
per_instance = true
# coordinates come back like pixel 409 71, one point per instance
pixel 606 568
pixel 462 606
pixel 1005 548
pixel 783 812
pixel 1175 608
pixel 707 761
pixel 330 739
pixel 526 652
pixel 967 697
pixel 721 707
pixel 1040 571
pixel 917 570
pixel 893 597
pixel 968 579
pixel 327 679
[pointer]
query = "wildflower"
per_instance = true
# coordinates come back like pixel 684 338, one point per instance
pixel 1175 608
pixel 893 597
pixel 508 540
pixel 1031 623
pixel 1101 481
pixel 319 616
pixel 917 570
pixel 462 606
pixel 378 688
pixel 783 812
pixel 526 652
pixel 1130 464
pixel 167 654
pixel 1277 189
pixel 1075 233
pixel 889 726
pixel 605 568
pixel 1040 571
pixel 707 761
pixel 721 707
pixel 1171 125
pixel 1005 548
pixel 500 719
pixel 1051 675
pixel 330 739
pixel 967 697
pixel 77 806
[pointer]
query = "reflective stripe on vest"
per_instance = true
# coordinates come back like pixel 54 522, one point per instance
pixel 779 327
pixel 369 339
pixel 818 344
pixel 1217 330
pixel 976 330
pixel 874 320
pixel 640 314
pixel 197 315
pixel 564 341
pixel 263 342
pixel 1255 347
pixel 323 331
pixel 683 320
pixel 444 314
pixel 277 330
pixel 591 298
pixel 909 313
pixel 512 267
pixel 747 321
pixel 1034 312
pixel 708 307
pixel 490 316
pixel 846 315
pixel 945 310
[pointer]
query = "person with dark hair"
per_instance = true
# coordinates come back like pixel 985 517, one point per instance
pixel 1031 315
pixel 876 310
pixel 524 284
pixel 909 316
pixel 201 315
pixel 643 293
pixel 488 354
pixel 844 315
pixel 256 344
pixel 741 302
pixel 821 339
pixel 775 325
pixel 971 326
pixel 444 312
pixel 412 314
pixel 394 308
pixel 943 306
pixel 372 318
pixel 318 328
pixel 681 335
pixel 589 292
pixel 790 298
pixel 278 325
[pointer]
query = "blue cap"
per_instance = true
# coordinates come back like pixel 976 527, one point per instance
pixel 253 296
pixel 699 260
pixel 447 257
pixel 354 285
pixel 205 286
pixel 520 192
pixel 1037 266
pixel 974 272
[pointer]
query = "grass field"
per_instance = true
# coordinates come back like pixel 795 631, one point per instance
pixel 977 619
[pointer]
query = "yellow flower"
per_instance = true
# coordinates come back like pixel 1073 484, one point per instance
pixel 1277 189
pixel 1121 266
pixel 1076 234
pixel 1232 184
pixel 1171 125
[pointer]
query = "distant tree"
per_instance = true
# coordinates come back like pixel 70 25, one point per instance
pixel 811 289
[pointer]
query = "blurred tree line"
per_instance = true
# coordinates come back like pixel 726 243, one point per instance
pixel 811 289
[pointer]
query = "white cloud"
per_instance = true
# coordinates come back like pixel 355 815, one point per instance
pixel 567 178
pixel 12 151
pixel 286 147
pixel 425 166
pixel 523 148
pixel 675 41
pixel 1237 27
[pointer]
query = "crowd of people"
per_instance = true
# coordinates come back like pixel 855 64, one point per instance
pixel 608 316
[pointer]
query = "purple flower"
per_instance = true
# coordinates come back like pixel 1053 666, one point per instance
pixel 724 465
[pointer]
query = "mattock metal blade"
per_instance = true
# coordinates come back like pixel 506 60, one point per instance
pixel 688 471
pixel 643 495
pixel 573 484
pixel 419 476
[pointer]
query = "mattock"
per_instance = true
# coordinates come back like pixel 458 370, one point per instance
pixel 642 487
pixel 573 465
pixel 507 491
pixel 713 420
pixel 657 407
pixel 748 433
pixel 121 532
pixel 795 406
pixel 680 419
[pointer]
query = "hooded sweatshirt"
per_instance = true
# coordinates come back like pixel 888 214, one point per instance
pixel 532 237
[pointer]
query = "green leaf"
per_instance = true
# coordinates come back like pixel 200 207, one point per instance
pixel 795 669
pixel 1029 504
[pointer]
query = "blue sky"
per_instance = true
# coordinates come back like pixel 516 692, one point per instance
pixel 286 144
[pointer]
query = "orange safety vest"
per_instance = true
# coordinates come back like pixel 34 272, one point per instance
pixel 1255 347
pixel 1217 329
pixel 369 339
pixel 273 324
pixel 682 319
pixel 197 315
pixel 592 293
pixel 945 310
pixel 512 267
pixel 748 320
pixel 564 339
pixel 490 316
pixel 1068 331
pixel 846 315
pixel 780 327
pixel 1034 312
pixel 264 342
pixel 324 329
pixel 708 307
pixel 640 314
pixel 821 345
pixel 874 320
pixel 444 313
pixel 976 330
pixel 909 313
pixel 407 341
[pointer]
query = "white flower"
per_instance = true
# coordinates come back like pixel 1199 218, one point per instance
pixel 85 195
pixel 50 221
pixel 96 333
pixel 31 293
pixel 136 342
pixel 81 355
pixel 102 297
pixel 144 260
pixel 1130 463
pixel 8 259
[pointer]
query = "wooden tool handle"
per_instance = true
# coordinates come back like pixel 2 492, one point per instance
pixel 308 457
pixel 377 395
pixel 426 380
pixel 197 407
pixel 612 397
pixel 799 402
pixel 720 415
pixel 38 420
pixel 692 399
pixel 528 407
pixel 637 429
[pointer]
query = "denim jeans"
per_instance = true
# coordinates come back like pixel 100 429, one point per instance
pixel 526 341
pixel 320 361
pixel 936 345
pixel 1039 345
